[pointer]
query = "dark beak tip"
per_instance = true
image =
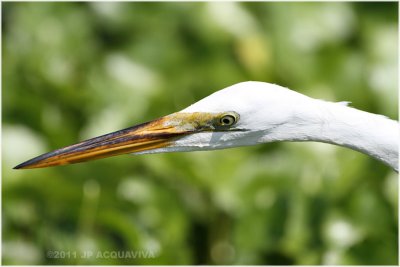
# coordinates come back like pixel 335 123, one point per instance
pixel 29 164
pixel 20 166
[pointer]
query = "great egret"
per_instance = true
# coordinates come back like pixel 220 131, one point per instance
pixel 243 114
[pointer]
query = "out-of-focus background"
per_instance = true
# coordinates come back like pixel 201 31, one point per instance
pixel 76 70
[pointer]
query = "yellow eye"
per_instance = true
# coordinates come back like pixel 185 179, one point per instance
pixel 227 120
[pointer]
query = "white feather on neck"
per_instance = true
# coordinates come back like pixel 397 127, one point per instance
pixel 338 124
pixel 272 113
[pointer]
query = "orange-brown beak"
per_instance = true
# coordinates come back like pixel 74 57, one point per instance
pixel 155 134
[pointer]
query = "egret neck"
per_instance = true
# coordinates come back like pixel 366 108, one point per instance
pixel 339 124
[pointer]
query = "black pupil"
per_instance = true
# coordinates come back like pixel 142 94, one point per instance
pixel 227 120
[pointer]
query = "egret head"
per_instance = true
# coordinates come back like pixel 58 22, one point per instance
pixel 234 116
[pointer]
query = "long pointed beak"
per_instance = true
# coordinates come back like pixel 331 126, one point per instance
pixel 155 134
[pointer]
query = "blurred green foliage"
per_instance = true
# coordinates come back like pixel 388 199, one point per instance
pixel 76 70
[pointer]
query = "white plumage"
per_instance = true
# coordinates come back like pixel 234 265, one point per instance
pixel 270 113
pixel 243 114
